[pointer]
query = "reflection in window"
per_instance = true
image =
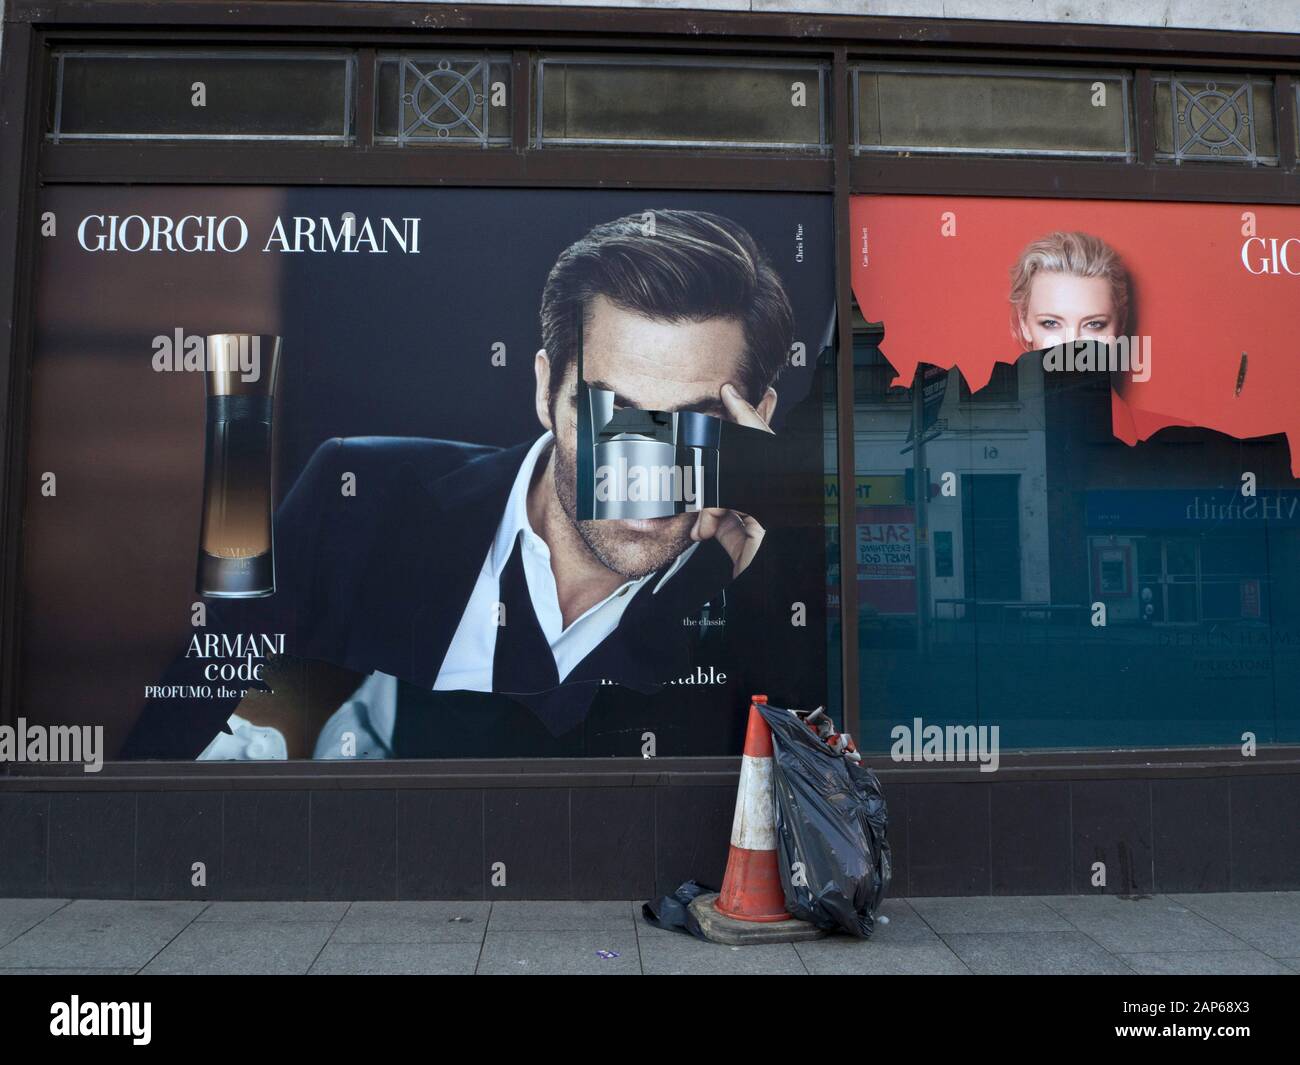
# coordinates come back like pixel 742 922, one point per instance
pixel 1012 571
pixel 990 522
pixel 1003 386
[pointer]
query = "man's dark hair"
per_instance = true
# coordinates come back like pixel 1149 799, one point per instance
pixel 691 267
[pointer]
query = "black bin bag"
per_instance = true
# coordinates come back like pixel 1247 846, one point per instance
pixel 830 829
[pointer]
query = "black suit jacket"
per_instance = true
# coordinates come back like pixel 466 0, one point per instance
pixel 379 581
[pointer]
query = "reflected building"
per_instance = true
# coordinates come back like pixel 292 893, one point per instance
pixel 1074 590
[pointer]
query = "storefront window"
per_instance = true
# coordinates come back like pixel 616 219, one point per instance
pixel 1083 555
pixel 990 110
pixel 427 473
pixel 680 102
pixel 202 94
pixel 1107 560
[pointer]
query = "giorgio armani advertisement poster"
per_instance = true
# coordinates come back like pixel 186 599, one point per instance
pixel 342 473
pixel 1195 303
pixel 1111 529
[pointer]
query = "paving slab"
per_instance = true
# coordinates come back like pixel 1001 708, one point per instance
pixel 1142 925
pixel 843 956
pixel 1228 934
pixel 100 934
pixel 67 972
pixel 523 953
pixel 898 923
pixel 18 915
pixel 261 947
pixel 1268 920
pixel 274 911
pixel 990 914
pixel 1033 953
pixel 413 922
pixel 670 953
pixel 396 959
pixel 1205 963
pixel 560 916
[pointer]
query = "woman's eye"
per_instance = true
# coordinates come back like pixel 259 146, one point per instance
pixel 1049 323
pixel 1099 324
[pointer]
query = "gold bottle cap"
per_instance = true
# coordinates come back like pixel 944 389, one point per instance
pixel 242 364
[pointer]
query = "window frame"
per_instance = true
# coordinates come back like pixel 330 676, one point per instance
pixel 1124 77
pixel 55 134
pixel 543 57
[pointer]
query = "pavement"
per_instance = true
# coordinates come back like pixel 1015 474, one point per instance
pixel 1186 934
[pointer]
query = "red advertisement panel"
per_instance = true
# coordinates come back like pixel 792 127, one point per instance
pixel 1204 295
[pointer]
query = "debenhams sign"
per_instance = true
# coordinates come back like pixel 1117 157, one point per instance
pixel 194 233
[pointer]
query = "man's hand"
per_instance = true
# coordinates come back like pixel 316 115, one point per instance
pixel 739 534
pixel 742 412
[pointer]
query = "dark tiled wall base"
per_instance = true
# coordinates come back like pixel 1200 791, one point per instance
pixel 1209 833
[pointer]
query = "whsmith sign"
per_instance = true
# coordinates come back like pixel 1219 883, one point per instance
pixel 1189 507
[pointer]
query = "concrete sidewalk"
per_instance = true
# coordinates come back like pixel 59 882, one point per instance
pixel 1230 933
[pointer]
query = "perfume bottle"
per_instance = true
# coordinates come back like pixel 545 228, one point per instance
pixel 699 443
pixel 638 463
pixel 236 543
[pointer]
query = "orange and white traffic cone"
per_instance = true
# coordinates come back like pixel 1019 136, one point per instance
pixel 751 888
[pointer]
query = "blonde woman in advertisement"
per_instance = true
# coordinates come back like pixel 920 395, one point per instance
pixel 1067 287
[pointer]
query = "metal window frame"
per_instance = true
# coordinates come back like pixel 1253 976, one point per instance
pixel 487 58
pixel 1249 82
pixel 55 134
pixel 1123 76
pixel 28 161
pixel 668 60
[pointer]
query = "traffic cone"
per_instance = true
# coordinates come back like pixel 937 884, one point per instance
pixel 751 888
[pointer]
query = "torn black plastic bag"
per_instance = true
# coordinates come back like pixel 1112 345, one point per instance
pixel 830 829
pixel 673 912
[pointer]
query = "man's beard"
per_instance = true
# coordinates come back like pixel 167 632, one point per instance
pixel 631 553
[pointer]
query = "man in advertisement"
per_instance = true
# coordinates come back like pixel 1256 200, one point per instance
pixel 471 610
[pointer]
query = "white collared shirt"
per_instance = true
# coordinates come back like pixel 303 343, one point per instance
pixel 371 712
pixel 467 665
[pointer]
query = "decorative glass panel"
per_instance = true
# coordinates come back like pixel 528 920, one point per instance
pixel 1216 117
pixel 451 98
